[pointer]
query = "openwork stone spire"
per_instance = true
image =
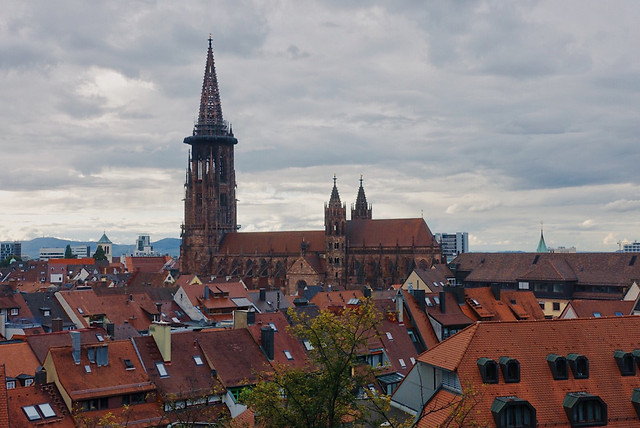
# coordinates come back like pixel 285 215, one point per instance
pixel 335 196
pixel 210 120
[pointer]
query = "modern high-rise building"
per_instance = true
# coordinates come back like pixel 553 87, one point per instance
pixel 453 244
pixel 10 248
pixel 631 247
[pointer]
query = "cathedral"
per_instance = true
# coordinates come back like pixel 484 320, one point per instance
pixel 351 252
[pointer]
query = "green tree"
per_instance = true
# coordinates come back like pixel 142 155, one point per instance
pixel 6 262
pixel 99 254
pixel 68 254
pixel 324 394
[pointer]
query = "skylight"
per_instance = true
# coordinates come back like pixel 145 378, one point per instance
pixel 128 364
pixel 402 363
pixel 273 326
pixel 436 299
pixel 80 311
pixel 428 301
pixel 288 355
pixel 389 336
pixel 198 360
pixel 46 410
pixel 31 412
pixel 435 283
pixel 308 346
pixel 413 360
pixel 618 313
pixel 87 368
pixel 162 370
pixel 99 337
pixel 597 314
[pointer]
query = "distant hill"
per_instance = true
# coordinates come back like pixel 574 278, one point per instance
pixel 31 248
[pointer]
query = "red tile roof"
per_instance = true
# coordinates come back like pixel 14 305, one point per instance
pixel 403 232
pixel 33 396
pixel 41 343
pixel 18 358
pixel 272 242
pixel 4 408
pixel 282 339
pixel 530 342
pixel 588 308
pixel 111 379
pixel 420 320
pixel 335 299
pixel 481 304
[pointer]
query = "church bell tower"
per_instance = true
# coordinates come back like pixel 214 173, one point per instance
pixel 210 186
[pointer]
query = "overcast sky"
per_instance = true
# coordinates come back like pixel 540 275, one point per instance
pixel 483 117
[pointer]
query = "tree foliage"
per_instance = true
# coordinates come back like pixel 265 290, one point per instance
pixel 99 254
pixel 323 394
pixel 6 262
pixel 68 253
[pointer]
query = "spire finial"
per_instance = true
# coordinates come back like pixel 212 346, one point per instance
pixel 360 180
pixel 334 179
pixel 210 39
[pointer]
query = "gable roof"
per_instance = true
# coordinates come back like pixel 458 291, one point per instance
pixel 481 304
pixel 610 269
pixel 286 242
pixel 337 299
pixel 403 232
pixel 33 396
pixel 595 338
pixel 418 319
pixel 589 308
pixel 18 358
pixel 282 339
pixel 40 343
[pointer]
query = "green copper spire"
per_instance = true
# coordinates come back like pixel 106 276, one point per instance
pixel 542 247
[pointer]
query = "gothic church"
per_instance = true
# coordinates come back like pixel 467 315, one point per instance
pixel 347 252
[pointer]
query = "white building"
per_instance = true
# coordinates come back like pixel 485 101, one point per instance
pixel 631 247
pixel 79 251
pixel 453 244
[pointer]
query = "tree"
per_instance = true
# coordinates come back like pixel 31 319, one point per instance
pixel 325 393
pixel 6 262
pixel 68 254
pixel 99 254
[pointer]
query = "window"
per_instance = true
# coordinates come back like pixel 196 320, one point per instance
pixel 32 413
pixel 307 345
pixel 523 285
pixel 559 366
pixel 99 337
pixel 28 382
pixel 128 364
pixel 597 315
pixel 162 370
pixel 80 311
pixel 585 410
pixel 136 398
pixel 87 368
pixel 579 366
pixel 288 355
pixel 14 311
pixel 488 370
pixel 402 363
pixel 541 303
pixel 556 306
pixel 46 410
pixel 11 384
pixel 273 326
pixel 510 369
pixel 94 404
pixel 618 313
pixel 198 360
pixel 513 412
pixel 626 363
pixel 413 361
pixel 389 336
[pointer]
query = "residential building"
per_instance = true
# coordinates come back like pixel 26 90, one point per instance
pixel 554 278
pixel 431 280
pixel 582 308
pixel 453 244
pixel 8 249
pixel 357 251
pixel 578 372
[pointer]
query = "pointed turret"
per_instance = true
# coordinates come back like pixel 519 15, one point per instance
pixel 542 247
pixel 334 201
pixel 361 211
pixel 335 224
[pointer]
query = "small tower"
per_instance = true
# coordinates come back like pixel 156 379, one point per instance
pixel 106 243
pixel 542 247
pixel 335 230
pixel 210 187
pixel 361 210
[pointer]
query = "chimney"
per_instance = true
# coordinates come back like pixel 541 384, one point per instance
pixel 3 325
pixel 75 346
pixel 102 356
pixel 278 300
pixel 263 294
pixel 56 325
pixel 266 342
pixel 400 308
pixel 495 288
pixel 111 330
pixel 206 292
pixel 367 292
pixel 161 332
pixel 419 296
pixel 443 297
pixel 41 376
pixel 240 319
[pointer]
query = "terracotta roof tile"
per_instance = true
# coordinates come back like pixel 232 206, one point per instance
pixel 419 320
pixel 33 396
pixel 595 338
pixel 403 232
pixel 283 340
pixel 588 308
pixel 4 408
pixel 18 358
pixel 40 344
pixel 336 299
pixel 272 242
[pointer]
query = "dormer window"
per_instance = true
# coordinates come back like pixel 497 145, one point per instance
pixel 15 311
pixel 579 366
pixel 626 363
pixel 585 410
pixel 559 366
pixel 513 412
pixel 510 369
pixel 488 370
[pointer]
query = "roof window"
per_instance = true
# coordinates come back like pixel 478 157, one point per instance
pixel 488 370
pixel 288 355
pixel 273 326
pixel 99 337
pixel 559 366
pixel 626 363
pixel 585 410
pixel 402 363
pixel 618 313
pixel 307 345
pixel 389 336
pixel 162 370
pixel 510 369
pixel 32 413
pixel 513 412
pixel 128 364
pixel 579 365
pixel 597 315
pixel 46 410
pixel 198 360
pixel 428 301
